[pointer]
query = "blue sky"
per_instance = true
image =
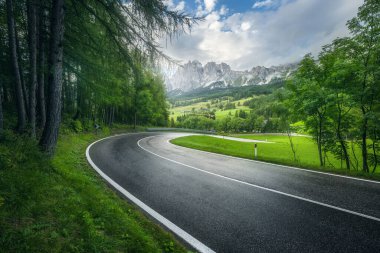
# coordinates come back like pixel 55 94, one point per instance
pixel 236 5
pixel 247 33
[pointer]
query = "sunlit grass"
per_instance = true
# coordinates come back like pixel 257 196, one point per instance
pixel 277 152
pixel 219 114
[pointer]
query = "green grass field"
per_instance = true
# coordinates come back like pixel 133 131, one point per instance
pixel 179 111
pixel 62 205
pixel 277 152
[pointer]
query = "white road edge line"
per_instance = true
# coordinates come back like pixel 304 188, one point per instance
pixel 171 226
pixel 279 165
pixel 260 187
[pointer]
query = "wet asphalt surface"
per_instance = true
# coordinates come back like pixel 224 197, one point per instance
pixel 229 216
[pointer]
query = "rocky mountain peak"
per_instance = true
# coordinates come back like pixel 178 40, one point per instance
pixel 193 75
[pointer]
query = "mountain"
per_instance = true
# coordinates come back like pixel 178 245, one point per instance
pixel 194 75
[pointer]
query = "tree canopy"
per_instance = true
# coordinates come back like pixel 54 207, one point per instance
pixel 86 60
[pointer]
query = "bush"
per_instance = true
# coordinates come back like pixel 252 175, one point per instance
pixel 77 126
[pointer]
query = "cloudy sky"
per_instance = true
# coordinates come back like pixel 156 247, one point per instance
pixel 247 33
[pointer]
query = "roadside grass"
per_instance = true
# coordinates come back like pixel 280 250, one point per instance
pixel 62 205
pixel 278 152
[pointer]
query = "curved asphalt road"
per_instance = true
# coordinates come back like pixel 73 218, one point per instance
pixel 236 205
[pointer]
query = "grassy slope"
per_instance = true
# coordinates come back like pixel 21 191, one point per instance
pixel 278 152
pixel 178 111
pixel 63 206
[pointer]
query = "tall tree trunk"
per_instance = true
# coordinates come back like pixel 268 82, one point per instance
pixel 41 64
pixel 50 134
pixel 32 36
pixel 41 83
pixel 364 141
pixel 1 110
pixel 19 58
pixel 346 156
pixel 135 121
pixel 341 141
pixel 15 66
pixel 319 141
pixel 375 159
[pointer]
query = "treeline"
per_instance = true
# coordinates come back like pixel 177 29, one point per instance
pixel 266 114
pixel 88 60
pixel 337 95
pixel 236 93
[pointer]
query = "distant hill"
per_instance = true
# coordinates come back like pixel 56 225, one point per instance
pixel 204 93
pixel 194 76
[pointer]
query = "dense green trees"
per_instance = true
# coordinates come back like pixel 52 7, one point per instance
pixel 88 60
pixel 338 95
pixel 266 115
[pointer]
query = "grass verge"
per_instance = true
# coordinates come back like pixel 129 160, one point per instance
pixel 278 152
pixel 62 205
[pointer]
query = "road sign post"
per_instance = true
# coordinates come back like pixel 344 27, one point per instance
pixel 255 150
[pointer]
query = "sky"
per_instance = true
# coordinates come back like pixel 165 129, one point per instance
pixel 248 33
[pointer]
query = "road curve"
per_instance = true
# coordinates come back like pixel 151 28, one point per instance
pixel 237 205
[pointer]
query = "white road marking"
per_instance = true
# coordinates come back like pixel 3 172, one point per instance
pixel 278 165
pixel 260 187
pixel 171 226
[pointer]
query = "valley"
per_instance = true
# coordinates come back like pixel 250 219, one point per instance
pixel 255 108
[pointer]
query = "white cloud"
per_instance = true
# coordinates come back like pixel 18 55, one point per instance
pixel 206 7
pixel 180 6
pixel 172 6
pixel 267 38
pixel 223 10
pixel 210 5
pixel 245 26
pixel 265 3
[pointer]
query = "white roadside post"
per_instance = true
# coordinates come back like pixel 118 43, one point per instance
pixel 255 150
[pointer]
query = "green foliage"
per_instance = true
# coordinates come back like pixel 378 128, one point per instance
pixel 77 126
pixel 109 63
pixel 229 106
pixel 202 95
pixel 62 206
pixel 338 94
pixel 151 107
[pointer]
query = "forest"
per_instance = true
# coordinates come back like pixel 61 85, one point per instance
pixel 334 97
pixel 82 63
pixel 74 72
pixel 90 63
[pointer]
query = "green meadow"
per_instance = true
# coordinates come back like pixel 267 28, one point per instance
pixel 174 112
pixel 277 150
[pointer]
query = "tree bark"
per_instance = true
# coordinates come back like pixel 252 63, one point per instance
pixel 19 58
pixel 364 142
pixel 41 81
pixel 41 66
pixel 50 134
pixel 1 111
pixel 344 149
pixel 21 114
pixel 32 36
pixel 319 141
pixel 341 140
pixel 374 154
